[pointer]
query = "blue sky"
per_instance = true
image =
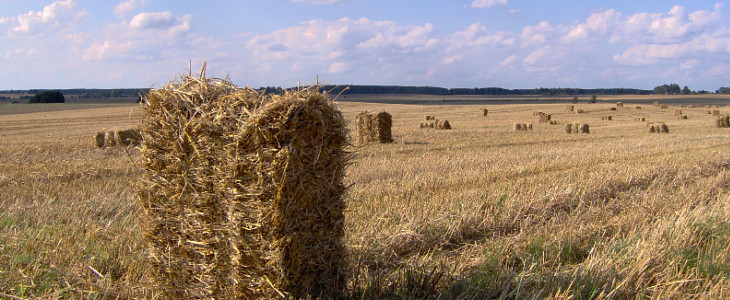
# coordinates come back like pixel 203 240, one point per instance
pixel 456 43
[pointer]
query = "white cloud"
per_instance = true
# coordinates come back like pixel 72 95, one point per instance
pixel 538 56
pixel 56 15
pixel 127 7
pixel 145 37
pixel 338 67
pixel 509 60
pixel 487 3
pixel 537 35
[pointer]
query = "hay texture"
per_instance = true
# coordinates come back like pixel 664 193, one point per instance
pixel 658 127
pixel 374 127
pixel 242 194
pixel 129 137
pixel 723 121
pixel 110 139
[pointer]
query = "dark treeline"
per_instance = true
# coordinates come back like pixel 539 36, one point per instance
pixel 84 93
pixel 430 90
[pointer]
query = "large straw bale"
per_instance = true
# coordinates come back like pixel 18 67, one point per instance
pixel 99 139
pixel 242 195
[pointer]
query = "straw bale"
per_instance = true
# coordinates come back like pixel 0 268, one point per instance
pixel 657 103
pixel 584 128
pixel 522 126
pixel 545 118
pixel 639 119
pixel 444 125
pixel 99 139
pixel 715 112
pixel 682 117
pixel 658 127
pixel 374 127
pixel 577 128
pixel 612 108
pixel 579 111
pixel 110 139
pixel 485 112
pixel 553 122
pixel 638 107
pixel 529 126
pixel 664 106
pixel 606 118
pixel 619 104
pixel 723 121
pixel 429 117
pixel 677 112
pixel 242 194
pixel 517 126
pixel 570 108
pixel 129 137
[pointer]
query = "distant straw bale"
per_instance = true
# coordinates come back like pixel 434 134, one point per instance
pixel 374 127
pixel 639 119
pixel 606 118
pixel 620 104
pixel 570 108
pixel 129 137
pixel 677 112
pixel 428 117
pixel 723 121
pixel 658 127
pixel 690 106
pixel 242 195
pixel 715 112
pixel 485 112
pixel 577 128
pixel 657 103
pixel 638 107
pixel 682 117
pixel 544 117
pixel 664 106
pixel 612 108
pixel 444 125
pixel 522 126
pixel 99 139
pixel 579 111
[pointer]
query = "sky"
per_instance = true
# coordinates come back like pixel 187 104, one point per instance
pixel 452 44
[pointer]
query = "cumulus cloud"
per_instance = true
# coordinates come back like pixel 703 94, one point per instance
pixel 56 15
pixel 143 38
pixel 487 3
pixel 127 7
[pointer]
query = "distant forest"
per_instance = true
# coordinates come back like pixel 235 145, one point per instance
pixel 389 89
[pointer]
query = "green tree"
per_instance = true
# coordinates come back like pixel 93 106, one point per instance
pixel 686 90
pixel 594 98
pixel 48 97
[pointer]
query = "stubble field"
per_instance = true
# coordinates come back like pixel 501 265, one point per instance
pixel 480 211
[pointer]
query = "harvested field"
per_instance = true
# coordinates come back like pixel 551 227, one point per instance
pixel 477 212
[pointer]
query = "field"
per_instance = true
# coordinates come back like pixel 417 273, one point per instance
pixel 477 212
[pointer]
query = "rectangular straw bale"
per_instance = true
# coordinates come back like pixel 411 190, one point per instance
pixel 99 139
pixel 129 137
pixel 374 127
pixel 568 128
pixel 242 194
pixel 485 112
pixel 723 121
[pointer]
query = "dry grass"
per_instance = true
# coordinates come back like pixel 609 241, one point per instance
pixel 477 212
